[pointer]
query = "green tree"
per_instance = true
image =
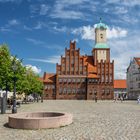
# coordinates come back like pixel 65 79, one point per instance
pixel 32 84
pixel 5 65
pixel 19 74
pixel 26 80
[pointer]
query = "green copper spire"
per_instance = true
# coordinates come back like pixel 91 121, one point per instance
pixel 100 20
pixel 100 35
pixel 101 25
pixel 101 46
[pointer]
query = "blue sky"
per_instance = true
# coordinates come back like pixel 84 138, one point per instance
pixel 39 30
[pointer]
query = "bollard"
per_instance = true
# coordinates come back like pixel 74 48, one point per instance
pixel 41 98
pixel 3 104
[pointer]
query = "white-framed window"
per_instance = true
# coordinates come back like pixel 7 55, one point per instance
pixel 58 72
pixel 72 68
pixel 60 80
pixel 106 78
pixel 69 80
pixel 64 90
pixel 85 72
pixel 73 80
pixel 83 80
pixel 102 78
pixel 68 90
pixel 78 80
pixel 65 80
pixel 72 60
pixel 60 90
pixel 110 78
pixel 81 68
pixel 76 68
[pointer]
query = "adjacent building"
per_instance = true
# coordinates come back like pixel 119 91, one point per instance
pixel 133 78
pixel 120 88
pixel 83 76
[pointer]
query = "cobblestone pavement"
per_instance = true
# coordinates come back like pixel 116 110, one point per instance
pixel 104 120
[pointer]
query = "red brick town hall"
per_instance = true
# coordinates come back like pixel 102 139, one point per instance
pixel 83 76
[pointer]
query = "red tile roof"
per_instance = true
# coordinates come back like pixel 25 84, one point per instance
pixel 137 60
pixel 88 60
pixel 49 77
pixel 120 83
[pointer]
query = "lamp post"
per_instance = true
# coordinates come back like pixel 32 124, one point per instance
pixel 42 94
pixel 14 67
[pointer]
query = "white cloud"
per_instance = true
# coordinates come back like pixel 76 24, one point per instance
pixel 65 9
pixel 43 9
pixel 67 14
pixel 75 39
pixel 61 9
pixel 130 20
pixel 13 22
pixel 120 44
pixel 52 59
pixel 122 51
pixel 27 28
pixel 116 10
pixel 73 2
pixel 112 1
pixel 88 32
pixel 61 29
pixel 116 32
pixel 38 26
pixel 124 2
pixel 35 42
pixel 133 3
pixel 10 1
pixel 120 10
pixel 34 68
pixel 33 9
pixel 4 29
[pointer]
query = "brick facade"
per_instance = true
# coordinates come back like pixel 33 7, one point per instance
pixel 81 77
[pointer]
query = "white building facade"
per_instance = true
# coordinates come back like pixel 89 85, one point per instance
pixel 133 79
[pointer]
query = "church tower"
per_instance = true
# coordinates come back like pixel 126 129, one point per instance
pixel 101 51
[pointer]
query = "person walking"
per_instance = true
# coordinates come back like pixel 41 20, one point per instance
pixel 138 99
pixel 115 99
pixel 121 98
pixel 95 98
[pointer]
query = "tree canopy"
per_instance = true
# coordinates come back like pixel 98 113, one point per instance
pixel 26 80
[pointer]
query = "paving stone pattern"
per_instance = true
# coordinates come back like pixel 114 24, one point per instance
pixel 104 120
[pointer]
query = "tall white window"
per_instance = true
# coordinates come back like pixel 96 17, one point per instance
pixel 106 78
pixel 102 78
pixel 110 78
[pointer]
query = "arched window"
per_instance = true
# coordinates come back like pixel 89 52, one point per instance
pixel 90 91
pixel 95 92
pixel 101 35
pixel 108 92
pixel 103 92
